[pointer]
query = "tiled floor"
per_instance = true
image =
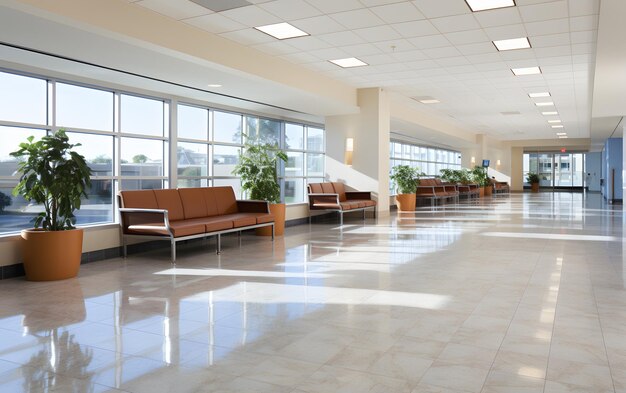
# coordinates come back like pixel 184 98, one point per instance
pixel 519 294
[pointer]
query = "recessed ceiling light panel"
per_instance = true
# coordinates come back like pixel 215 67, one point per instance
pixel 282 31
pixel 482 5
pixel 561 133
pixel 512 44
pixel 433 101
pixel 539 95
pixel 349 62
pixel 526 71
pixel 558 126
pixel 549 113
pixel 554 121
pixel 563 137
pixel 544 103
pixel 214 85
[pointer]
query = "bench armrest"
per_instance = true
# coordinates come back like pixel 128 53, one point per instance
pixel 252 206
pixel 137 217
pixel 323 198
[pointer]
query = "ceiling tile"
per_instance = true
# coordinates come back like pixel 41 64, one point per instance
pixel 177 10
pixel 581 49
pixel 308 43
pixel 300 58
pixel 398 12
pixel 328 54
pixel 467 37
pixel 544 11
pixel 415 29
pixel 438 53
pixel 378 33
pixel 436 9
pixel 550 40
pixel 478 48
pixel 429 41
pixel 421 64
pixel 498 17
pixel 548 27
pixel 361 49
pixel 583 37
pixel 341 38
pixel 484 58
pixel 215 23
pixel 522 54
pixel 582 23
pixel 251 16
pixel 290 9
pixel 394 47
pixel 450 24
pixel 409 56
pixel 357 19
pixel 332 6
pixel 318 25
pixel 248 37
pixel 553 51
pixel 505 32
pixel 276 48
pixel 584 7
pixel 376 60
pixel 452 61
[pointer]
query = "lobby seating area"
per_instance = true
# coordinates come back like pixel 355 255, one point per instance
pixel 332 196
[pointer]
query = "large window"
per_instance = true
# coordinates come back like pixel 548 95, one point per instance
pixel 429 160
pixel 125 139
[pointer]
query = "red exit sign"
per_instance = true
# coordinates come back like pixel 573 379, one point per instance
pixel 563 150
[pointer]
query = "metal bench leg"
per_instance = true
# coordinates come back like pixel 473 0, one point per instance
pixel 273 230
pixel 341 218
pixel 363 214
pixel 219 244
pixel 173 243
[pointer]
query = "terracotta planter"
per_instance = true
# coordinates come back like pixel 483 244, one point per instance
pixel 488 190
pixel 278 210
pixel 534 187
pixel 406 202
pixel 51 255
pixel 481 192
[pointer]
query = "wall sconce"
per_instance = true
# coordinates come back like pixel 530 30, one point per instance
pixel 498 163
pixel 473 160
pixel 349 150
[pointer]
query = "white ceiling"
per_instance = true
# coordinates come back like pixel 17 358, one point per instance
pixel 435 48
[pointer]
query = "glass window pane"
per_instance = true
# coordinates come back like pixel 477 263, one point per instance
pixel 431 154
pixel 224 160
pixel 82 107
pixel 263 130
pixel 314 164
pixel 99 206
pixel 294 190
pixel 192 159
pixel 142 184
pixel 193 122
pixel 141 157
pixel 15 212
pixel 226 127
pixel 11 138
pixel 294 136
pixel 295 164
pixel 141 116
pixel 423 154
pixel 234 183
pixel 406 152
pixel 190 183
pixel 98 151
pixel 315 139
pixel 23 99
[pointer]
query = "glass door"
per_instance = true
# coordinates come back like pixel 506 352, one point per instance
pixel 545 169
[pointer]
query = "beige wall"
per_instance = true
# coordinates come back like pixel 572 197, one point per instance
pixel 517 176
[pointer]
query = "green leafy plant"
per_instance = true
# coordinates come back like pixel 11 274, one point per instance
pixel 532 178
pixel 55 176
pixel 479 176
pixel 406 178
pixel 5 201
pixel 258 172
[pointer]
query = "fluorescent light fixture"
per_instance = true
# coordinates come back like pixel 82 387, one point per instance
pixel 526 71
pixel 549 113
pixel 282 31
pixel 512 44
pixel 539 95
pixel 563 137
pixel 482 5
pixel 544 103
pixel 561 133
pixel 214 85
pixel 349 62
pixel 433 101
pixel 558 126
pixel 554 121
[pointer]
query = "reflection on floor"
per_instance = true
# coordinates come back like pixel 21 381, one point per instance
pixel 512 294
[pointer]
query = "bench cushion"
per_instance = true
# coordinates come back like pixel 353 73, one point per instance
pixel 143 199
pixel 225 200
pixel 340 189
pixel 193 202
pixel 315 188
pixel 170 200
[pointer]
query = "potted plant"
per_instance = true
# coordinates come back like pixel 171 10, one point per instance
pixel 53 175
pixel 406 179
pixel 533 179
pixel 259 177
pixel 480 177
